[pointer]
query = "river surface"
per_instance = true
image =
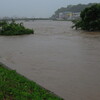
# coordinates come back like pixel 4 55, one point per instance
pixel 59 58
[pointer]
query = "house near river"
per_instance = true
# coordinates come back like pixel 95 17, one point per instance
pixel 68 15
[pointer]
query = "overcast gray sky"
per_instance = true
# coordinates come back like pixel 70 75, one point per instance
pixel 36 8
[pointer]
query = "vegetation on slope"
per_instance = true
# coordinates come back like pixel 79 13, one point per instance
pixel 12 28
pixel 16 87
pixel 71 8
pixel 90 19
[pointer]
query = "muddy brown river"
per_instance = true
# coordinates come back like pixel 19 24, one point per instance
pixel 63 60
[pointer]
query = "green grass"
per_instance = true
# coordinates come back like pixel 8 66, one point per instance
pixel 12 28
pixel 16 87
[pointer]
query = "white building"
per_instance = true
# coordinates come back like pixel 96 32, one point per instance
pixel 69 15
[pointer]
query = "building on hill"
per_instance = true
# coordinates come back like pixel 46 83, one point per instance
pixel 68 15
pixel 76 15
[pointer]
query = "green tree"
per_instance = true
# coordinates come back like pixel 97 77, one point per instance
pixel 13 28
pixel 90 19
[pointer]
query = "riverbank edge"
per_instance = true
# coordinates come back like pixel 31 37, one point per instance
pixel 52 93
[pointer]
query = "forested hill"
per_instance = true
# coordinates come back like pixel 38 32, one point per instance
pixel 72 8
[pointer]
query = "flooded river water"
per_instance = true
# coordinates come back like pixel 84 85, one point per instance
pixel 61 59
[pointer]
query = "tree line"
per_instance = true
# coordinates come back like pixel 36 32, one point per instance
pixel 89 19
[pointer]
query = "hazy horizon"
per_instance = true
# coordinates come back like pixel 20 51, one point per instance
pixel 36 8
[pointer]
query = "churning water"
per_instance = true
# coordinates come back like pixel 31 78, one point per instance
pixel 61 59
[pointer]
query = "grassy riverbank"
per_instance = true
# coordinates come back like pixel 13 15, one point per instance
pixel 16 87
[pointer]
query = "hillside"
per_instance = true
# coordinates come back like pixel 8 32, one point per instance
pixel 71 8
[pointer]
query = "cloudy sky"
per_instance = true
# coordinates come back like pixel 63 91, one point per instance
pixel 35 8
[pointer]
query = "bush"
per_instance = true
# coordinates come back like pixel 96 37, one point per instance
pixel 90 19
pixel 13 28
